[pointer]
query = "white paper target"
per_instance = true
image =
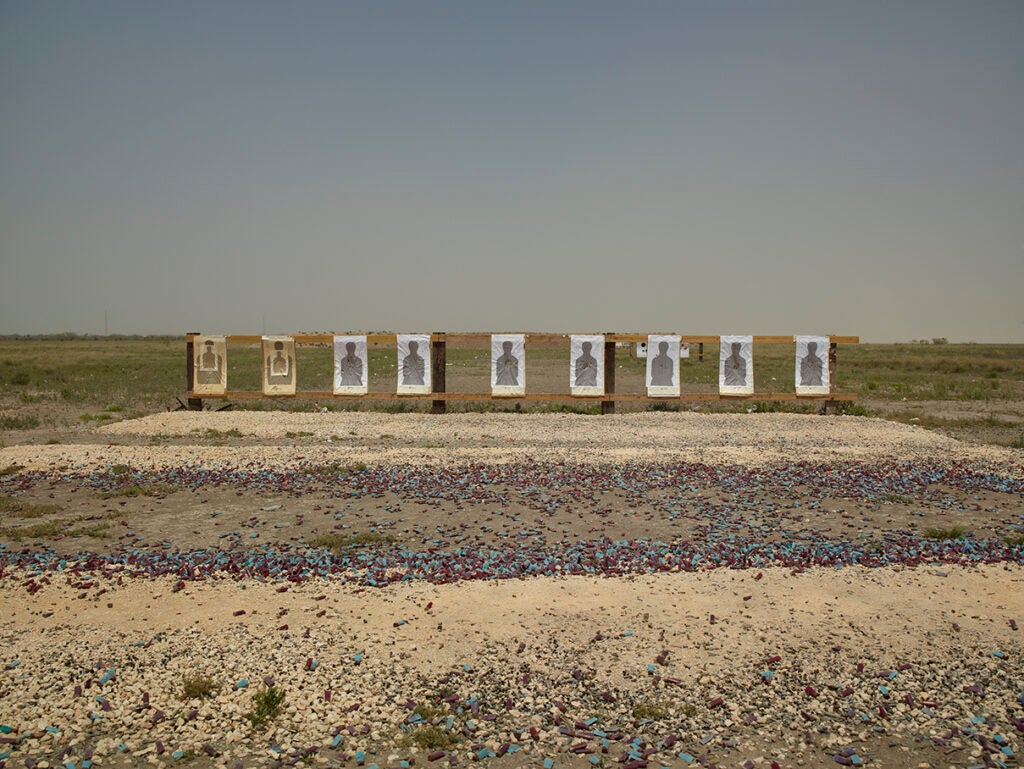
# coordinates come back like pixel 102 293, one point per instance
pixel 663 366
pixel 811 374
pixel 736 365
pixel 586 364
pixel 413 364
pixel 278 365
pixel 351 366
pixel 508 364
pixel 210 376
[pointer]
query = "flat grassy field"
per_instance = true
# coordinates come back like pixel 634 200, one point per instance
pixel 53 388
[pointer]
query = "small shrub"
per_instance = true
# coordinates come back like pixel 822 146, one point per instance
pixel 98 531
pixel 27 509
pixel 432 738
pixel 1018 442
pixel 339 542
pixel 266 706
pixel 15 422
pixel 94 417
pixel 134 490
pixel 649 709
pixel 11 469
pixel 38 531
pixel 1014 540
pixel 120 470
pixel 429 712
pixel 234 432
pixel 198 688
pixel 953 532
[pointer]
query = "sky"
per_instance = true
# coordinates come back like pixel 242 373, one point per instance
pixel 718 167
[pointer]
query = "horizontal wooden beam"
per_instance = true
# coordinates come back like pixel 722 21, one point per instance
pixel 390 339
pixel 532 397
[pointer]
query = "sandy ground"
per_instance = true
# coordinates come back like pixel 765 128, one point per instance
pixel 751 439
pixel 899 667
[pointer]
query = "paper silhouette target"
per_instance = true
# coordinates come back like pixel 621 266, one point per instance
pixel 586 364
pixel 663 366
pixel 736 365
pixel 413 364
pixel 351 368
pixel 508 364
pixel 812 365
pixel 278 365
pixel 210 365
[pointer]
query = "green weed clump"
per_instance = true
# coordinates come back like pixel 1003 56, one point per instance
pixel 429 712
pixel 266 706
pixel 1014 540
pixel 432 738
pixel 336 543
pixel 953 532
pixel 18 422
pixel 37 531
pixel 649 709
pixel 198 687
pixel 11 469
pixel 134 490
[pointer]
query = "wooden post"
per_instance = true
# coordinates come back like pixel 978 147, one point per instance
pixel 194 404
pixel 700 352
pixel 608 407
pixel 438 359
pixel 832 348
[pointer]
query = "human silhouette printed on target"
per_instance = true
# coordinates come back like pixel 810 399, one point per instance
pixel 209 365
pixel 662 370
pixel 812 367
pixel 413 366
pixel 279 366
pixel 586 367
pixel 736 367
pixel 506 368
pixel 351 367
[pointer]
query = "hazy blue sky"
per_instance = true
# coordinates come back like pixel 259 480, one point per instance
pixel 702 167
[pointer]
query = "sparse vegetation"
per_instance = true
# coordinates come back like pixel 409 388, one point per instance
pixel 134 490
pixel 336 543
pixel 11 469
pixel 266 706
pixel 56 379
pixel 98 531
pixel 650 709
pixel 234 432
pixel 23 509
pixel 38 531
pixel 18 422
pixel 431 738
pixel 198 687
pixel 430 712
pixel 94 417
pixel 953 532
pixel 1014 540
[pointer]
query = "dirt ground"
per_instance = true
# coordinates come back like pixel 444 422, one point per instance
pixel 738 666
